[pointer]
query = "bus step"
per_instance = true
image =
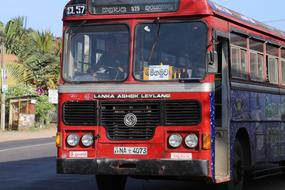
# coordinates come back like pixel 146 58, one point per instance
pixel 258 174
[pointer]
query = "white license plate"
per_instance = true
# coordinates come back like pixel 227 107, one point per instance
pixel 130 150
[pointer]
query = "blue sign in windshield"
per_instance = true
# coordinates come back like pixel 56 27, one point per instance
pixel 132 6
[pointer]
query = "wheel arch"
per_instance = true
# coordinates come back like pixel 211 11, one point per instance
pixel 243 137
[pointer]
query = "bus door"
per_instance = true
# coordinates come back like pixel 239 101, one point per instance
pixel 222 113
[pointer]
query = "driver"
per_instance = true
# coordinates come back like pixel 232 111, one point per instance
pixel 113 62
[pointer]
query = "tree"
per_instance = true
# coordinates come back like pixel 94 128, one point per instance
pixel 45 67
pixel 18 74
pixel 38 62
pixel 38 51
pixel 43 41
pixel 1 26
pixel 44 60
pixel 15 36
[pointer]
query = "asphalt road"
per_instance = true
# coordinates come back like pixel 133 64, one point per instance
pixel 30 165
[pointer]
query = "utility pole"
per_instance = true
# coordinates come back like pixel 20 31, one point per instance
pixel 2 123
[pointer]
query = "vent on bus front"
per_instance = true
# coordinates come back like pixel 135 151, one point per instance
pixel 182 113
pixel 80 113
pixel 147 114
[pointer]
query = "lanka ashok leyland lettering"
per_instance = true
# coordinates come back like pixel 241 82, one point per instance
pixel 170 89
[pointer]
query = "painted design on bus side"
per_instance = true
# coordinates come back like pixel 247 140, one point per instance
pixel 261 114
pixel 257 107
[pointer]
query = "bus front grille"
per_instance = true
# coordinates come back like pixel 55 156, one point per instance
pixel 149 114
pixel 80 113
pixel 182 113
pixel 113 115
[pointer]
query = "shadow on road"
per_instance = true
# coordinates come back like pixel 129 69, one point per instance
pixel 40 174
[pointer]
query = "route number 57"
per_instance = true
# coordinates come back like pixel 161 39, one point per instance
pixel 75 10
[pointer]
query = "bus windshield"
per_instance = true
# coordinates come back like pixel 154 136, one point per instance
pixel 96 53
pixel 170 51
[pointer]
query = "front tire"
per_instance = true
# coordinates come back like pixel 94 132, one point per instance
pixel 238 170
pixel 111 182
pixel 282 165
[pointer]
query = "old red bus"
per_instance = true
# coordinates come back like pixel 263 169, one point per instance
pixel 182 89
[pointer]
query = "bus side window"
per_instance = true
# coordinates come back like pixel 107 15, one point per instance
pixel 272 63
pixel 283 66
pixel 239 63
pixel 256 60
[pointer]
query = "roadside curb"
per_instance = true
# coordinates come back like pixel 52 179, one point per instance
pixel 26 135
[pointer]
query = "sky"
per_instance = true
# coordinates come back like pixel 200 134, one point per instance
pixel 46 15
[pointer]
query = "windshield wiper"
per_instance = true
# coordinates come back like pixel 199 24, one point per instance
pixel 155 42
pixel 78 27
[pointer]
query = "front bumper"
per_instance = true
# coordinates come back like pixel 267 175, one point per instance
pixel 133 167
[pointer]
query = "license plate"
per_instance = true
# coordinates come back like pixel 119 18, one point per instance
pixel 130 150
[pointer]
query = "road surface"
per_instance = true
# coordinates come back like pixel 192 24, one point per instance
pixel 30 165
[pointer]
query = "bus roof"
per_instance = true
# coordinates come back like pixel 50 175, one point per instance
pixel 239 18
pixel 185 8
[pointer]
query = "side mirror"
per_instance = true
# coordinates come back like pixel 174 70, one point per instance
pixel 212 60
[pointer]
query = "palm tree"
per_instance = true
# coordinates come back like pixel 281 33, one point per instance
pixel 43 41
pixel 15 35
pixel 38 51
pixel 17 74
pixel 44 60
pixel 1 26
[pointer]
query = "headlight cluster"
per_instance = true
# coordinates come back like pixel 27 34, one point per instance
pixel 74 139
pixel 176 140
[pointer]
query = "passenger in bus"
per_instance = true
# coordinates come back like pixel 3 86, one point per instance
pixel 188 68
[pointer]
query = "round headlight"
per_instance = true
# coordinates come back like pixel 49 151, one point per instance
pixel 73 140
pixel 87 140
pixel 175 140
pixel 191 141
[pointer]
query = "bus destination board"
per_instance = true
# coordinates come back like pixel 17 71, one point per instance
pixel 132 6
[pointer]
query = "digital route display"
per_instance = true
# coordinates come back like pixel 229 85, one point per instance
pixel 132 6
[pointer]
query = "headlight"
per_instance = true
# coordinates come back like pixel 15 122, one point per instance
pixel 73 140
pixel 175 140
pixel 191 141
pixel 87 140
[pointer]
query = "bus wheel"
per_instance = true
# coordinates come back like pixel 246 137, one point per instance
pixel 111 182
pixel 282 165
pixel 238 170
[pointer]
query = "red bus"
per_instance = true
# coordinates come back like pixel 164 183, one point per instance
pixel 182 89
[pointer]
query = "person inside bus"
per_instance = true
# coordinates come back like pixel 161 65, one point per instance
pixel 112 65
pixel 190 67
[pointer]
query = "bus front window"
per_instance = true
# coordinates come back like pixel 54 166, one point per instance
pixel 96 53
pixel 170 51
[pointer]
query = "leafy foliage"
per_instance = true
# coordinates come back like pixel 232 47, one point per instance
pixel 43 41
pixel 15 35
pixel 38 51
pixel 45 67
pixel 43 107
pixel 1 27
pixel 17 74
pixel 21 90
pixel 38 65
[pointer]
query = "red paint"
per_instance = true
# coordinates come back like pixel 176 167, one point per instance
pixel 157 146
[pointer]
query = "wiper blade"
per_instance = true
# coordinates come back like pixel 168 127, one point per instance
pixel 155 42
pixel 79 27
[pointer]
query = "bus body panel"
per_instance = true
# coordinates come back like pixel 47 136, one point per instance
pixel 247 106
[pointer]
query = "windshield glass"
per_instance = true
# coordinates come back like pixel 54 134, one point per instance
pixel 170 51
pixel 96 53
